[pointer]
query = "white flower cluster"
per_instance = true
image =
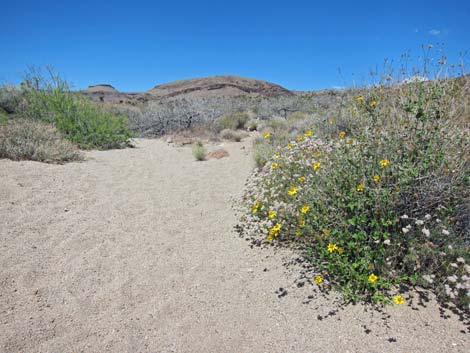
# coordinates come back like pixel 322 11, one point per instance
pixel 458 283
pixel 421 225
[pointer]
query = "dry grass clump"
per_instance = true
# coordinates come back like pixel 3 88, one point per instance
pixel 234 121
pixel 231 135
pixel 252 125
pixel 199 132
pixel 32 140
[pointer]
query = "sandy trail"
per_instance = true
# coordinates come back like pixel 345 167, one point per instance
pixel 134 251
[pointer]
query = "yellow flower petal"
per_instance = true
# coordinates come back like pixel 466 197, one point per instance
pixel 398 300
pixel 292 191
pixel 384 162
pixel 373 278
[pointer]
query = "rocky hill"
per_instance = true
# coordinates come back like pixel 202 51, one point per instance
pixel 101 88
pixel 225 85
pixel 220 86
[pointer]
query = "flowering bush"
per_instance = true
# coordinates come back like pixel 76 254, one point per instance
pixel 372 201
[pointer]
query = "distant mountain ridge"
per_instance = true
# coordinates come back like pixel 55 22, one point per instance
pixel 202 87
pixel 226 85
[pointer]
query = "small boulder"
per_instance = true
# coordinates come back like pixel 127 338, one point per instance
pixel 218 154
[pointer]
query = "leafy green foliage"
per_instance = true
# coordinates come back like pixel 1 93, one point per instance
pixel 370 199
pixel 79 120
pixel 3 117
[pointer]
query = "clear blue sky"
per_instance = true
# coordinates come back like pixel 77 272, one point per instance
pixel 135 45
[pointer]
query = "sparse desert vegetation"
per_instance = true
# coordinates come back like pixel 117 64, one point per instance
pixel 24 139
pixel 235 176
pixel 367 186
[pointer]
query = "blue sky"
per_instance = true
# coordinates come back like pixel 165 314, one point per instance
pixel 135 45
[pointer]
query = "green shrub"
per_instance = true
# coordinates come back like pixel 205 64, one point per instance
pixel 3 117
pixel 36 141
pixel 231 135
pixel 10 98
pixel 275 124
pixel 373 202
pixel 295 116
pixel 199 151
pixel 77 118
pixel 252 125
pixel 233 121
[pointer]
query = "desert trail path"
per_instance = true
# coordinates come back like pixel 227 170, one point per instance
pixel 134 251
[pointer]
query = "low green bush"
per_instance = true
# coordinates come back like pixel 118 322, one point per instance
pixel 231 135
pixel 10 99
pixel 252 125
pixel 32 140
pixel 295 116
pixel 233 121
pixel 3 117
pixel 373 202
pixel 199 151
pixel 77 118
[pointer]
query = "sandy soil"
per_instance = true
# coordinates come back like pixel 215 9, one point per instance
pixel 134 251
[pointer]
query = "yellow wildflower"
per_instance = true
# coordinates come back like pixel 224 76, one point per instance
pixel 289 145
pixel 376 178
pixel 267 135
pixel 274 165
pixel 292 191
pixel 300 138
pixel 302 179
pixel 277 155
pixel 274 231
pixel 318 279
pixel 360 187
pixel 269 238
pixel 331 121
pixel 256 206
pixel 308 133
pixel 316 166
pixel 342 134
pixel 272 214
pixel 384 162
pixel 398 300
pixel 373 278
pixel 360 98
pixel 305 208
pixel 301 222
pixel 298 233
pixel 373 104
pixel 332 247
